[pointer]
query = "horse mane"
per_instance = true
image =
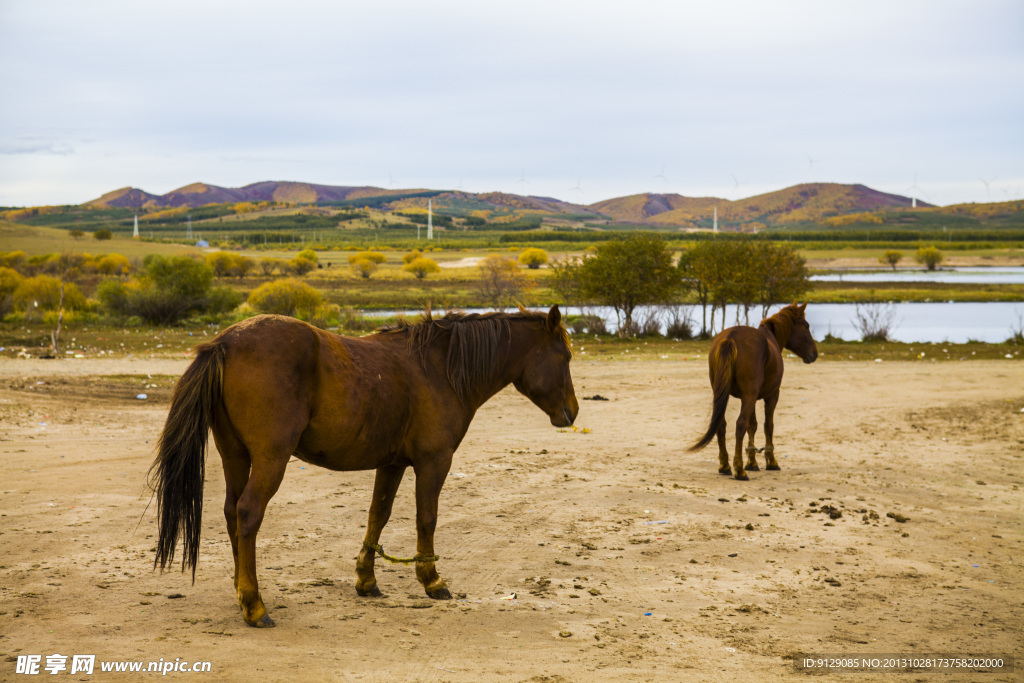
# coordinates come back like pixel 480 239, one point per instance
pixel 476 339
pixel 781 324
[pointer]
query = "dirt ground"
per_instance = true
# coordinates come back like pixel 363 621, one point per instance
pixel 630 558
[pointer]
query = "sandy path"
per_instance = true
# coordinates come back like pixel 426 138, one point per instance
pixel 630 559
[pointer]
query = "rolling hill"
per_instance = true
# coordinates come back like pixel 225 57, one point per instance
pixel 808 203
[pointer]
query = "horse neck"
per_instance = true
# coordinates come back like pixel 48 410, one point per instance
pixel 480 372
pixel 779 330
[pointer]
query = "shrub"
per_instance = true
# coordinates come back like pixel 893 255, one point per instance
pixel 300 265
pixel 42 292
pixel 114 264
pixel 501 283
pixel 285 297
pixel 309 254
pixel 14 259
pixel 929 256
pixel 533 257
pixel 220 263
pixel 363 267
pixel 268 263
pixel 103 234
pixel 9 281
pixel 372 256
pixel 874 321
pixel 891 257
pixel 169 290
pixel 412 256
pixel 421 267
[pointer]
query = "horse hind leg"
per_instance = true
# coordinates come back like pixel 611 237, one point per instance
pixel 723 452
pixel 264 480
pixel 235 459
pixel 751 449
pixel 385 486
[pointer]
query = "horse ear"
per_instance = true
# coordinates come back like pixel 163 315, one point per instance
pixel 554 318
pixel 803 307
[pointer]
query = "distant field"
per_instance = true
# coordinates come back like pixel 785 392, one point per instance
pixel 34 240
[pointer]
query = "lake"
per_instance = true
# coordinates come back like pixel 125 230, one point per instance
pixel 967 275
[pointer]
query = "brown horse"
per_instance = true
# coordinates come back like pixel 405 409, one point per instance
pixel 272 386
pixel 747 363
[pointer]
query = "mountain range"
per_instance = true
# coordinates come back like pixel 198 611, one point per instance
pixel 808 202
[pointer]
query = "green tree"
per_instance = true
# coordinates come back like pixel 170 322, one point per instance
pixel 929 256
pixel 630 272
pixel 891 257
pixel 285 297
pixel 103 234
pixel 533 258
pixel 421 267
pixel 169 289
pixel 780 273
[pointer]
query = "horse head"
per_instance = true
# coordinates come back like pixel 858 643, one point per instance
pixel 800 340
pixel 545 377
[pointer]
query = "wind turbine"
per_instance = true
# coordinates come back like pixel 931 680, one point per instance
pixel 522 179
pixel 391 181
pixel 915 191
pixel 577 187
pixel 988 194
pixel 810 166
pixel 736 185
pixel 662 176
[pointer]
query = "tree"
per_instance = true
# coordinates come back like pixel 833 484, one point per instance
pixel 285 297
pixel 220 262
pixel 501 283
pixel 630 272
pixel 44 293
pixel 781 274
pixel 412 256
pixel 929 256
pixel 421 266
pixel 268 263
pixel 309 254
pixel 373 256
pixel 891 257
pixel 103 234
pixel 76 235
pixel 533 258
pixel 9 281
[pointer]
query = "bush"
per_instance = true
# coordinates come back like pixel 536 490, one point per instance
pixel 533 258
pixel 372 256
pixel 309 254
pixel 14 259
pixel 874 321
pixel 300 265
pixel 363 267
pixel 169 290
pixel 421 267
pixel 285 297
pixel 9 281
pixel 268 264
pixel 891 257
pixel 114 264
pixel 929 256
pixel 103 234
pixel 412 256
pixel 42 292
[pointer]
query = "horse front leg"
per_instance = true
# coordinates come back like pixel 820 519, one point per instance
pixel 264 480
pixel 746 414
pixel 385 486
pixel 769 430
pixel 751 449
pixel 429 480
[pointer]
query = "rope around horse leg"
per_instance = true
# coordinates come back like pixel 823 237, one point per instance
pixel 379 549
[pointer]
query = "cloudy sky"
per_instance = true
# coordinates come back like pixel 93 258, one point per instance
pixel 578 100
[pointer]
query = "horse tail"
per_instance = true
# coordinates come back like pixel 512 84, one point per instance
pixel 176 476
pixel 723 360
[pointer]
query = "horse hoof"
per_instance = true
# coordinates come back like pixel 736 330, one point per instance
pixel 264 622
pixel 772 467
pixel 369 592
pixel 742 476
pixel 753 468
pixel 440 594
pixel 726 471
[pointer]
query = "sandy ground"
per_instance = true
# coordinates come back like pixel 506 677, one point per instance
pixel 630 559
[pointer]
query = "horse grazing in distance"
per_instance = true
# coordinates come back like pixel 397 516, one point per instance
pixel 271 386
pixel 747 363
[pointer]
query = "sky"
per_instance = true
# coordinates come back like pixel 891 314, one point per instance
pixel 582 101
